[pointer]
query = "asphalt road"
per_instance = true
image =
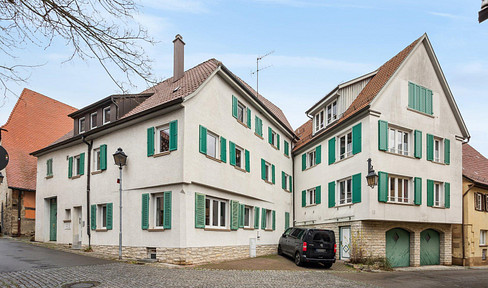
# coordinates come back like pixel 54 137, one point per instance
pixel 18 256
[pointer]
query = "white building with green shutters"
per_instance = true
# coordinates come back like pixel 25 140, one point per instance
pixel 404 118
pixel 208 174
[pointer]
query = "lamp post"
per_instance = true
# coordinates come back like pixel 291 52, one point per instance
pixel 372 177
pixel 120 159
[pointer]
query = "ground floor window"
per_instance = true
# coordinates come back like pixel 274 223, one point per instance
pixel 248 216
pixel 159 205
pixel 215 212
pixel 483 234
pixel 269 219
pixel 102 216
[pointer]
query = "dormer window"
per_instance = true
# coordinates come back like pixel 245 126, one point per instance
pixel 93 120
pixel 106 115
pixel 331 112
pixel 319 121
pixel 81 125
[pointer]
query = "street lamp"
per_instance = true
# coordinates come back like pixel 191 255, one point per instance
pixel 483 13
pixel 1 178
pixel 372 177
pixel 120 159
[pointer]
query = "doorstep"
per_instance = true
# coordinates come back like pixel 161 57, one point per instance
pixel 430 268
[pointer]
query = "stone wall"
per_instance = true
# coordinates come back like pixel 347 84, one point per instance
pixel 10 213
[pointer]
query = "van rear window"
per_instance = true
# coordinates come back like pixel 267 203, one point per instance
pixel 321 236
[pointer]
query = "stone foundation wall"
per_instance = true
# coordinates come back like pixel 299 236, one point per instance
pixel 187 256
pixel 10 214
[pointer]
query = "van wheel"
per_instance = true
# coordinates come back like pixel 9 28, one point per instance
pixel 298 259
pixel 279 250
pixel 327 265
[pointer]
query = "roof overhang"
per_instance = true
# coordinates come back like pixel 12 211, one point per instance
pixel 106 100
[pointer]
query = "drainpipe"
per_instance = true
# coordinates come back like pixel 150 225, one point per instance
pixel 88 228
pixel 462 225
pixel 294 180
pixel 116 107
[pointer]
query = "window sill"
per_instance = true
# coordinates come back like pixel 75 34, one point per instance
pixel 242 123
pixel 311 205
pixel 266 181
pixel 396 154
pixel 483 245
pixel 101 230
pixel 75 177
pixel 401 203
pixel 96 172
pixel 214 159
pixel 248 228
pixel 344 205
pixel 155 230
pixel 276 148
pixel 310 167
pixel 67 221
pixel 49 177
pixel 439 207
pixel 438 163
pixel 344 159
pixel 240 169
pixel 217 229
pixel 259 136
pixel 286 190
pixel 161 154
pixel 421 113
pixel 268 229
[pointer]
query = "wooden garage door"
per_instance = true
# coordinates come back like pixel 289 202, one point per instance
pixel 429 247
pixel 398 247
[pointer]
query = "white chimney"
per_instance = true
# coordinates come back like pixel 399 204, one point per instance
pixel 179 58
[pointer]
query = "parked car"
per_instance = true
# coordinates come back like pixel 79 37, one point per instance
pixel 309 245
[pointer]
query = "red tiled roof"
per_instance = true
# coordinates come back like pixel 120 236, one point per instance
pixel 35 122
pixel 366 95
pixel 475 165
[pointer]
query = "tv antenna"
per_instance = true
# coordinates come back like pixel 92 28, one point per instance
pixel 257 70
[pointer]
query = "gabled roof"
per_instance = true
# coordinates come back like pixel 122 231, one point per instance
pixel 475 165
pixel 35 122
pixel 369 92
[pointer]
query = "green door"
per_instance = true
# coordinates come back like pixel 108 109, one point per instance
pixel 53 217
pixel 429 247
pixel 398 247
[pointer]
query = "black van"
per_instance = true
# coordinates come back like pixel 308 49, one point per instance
pixel 309 245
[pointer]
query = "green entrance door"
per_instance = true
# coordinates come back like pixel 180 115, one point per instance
pixel 53 217
pixel 398 247
pixel 429 247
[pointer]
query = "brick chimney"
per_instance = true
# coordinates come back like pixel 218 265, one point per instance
pixel 179 58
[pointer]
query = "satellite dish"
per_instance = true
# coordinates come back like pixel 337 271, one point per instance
pixel 3 158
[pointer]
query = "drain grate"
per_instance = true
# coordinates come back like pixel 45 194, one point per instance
pixel 82 284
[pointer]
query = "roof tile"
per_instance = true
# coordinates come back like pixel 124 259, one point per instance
pixel 475 165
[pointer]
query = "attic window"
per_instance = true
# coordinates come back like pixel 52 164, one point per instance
pixel 176 89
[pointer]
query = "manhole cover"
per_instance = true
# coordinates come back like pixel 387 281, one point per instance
pixel 84 284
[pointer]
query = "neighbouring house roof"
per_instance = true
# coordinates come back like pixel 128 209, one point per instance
pixel 365 97
pixel 35 121
pixel 475 165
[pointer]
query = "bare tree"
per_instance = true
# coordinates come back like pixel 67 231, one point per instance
pixel 103 30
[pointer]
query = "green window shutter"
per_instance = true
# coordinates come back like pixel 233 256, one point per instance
pixel 318 194
pixel 110 216
pixel 356 138
pixel 256 217
pixel 382 135
pixel 248 160
pixel 318 154
pixel 234 106
pixel 234 215
pixel 287 151
pixel 422 99
pixel 332 142
pixel 145 211
pixel 82 163
pixel 103 157
pixel 418 144
pixel 232 153
pixel 260 127
pixel 411 95
pixel 93 217
pixel 430 193
pixel 283 180
pixel 332 194
pixel 417 97
pixel 70 167
pixel 430 147
pixel 418 191
pixel 150 141
pixel 248 118
pixel 304 198
pixel 304 161
pixel 447 195
pixel 273 174
pixel 287 220
pixel 203 140
pixel 274 219
pixel 223 149
pixel 270 135
pixel 167 210
pixel 241 216
pixel 278 141
pixel 263 218
pixel 447 151
pixel 256 125
pixel 173 135
pixel 263 169
pixel 199 210
pixel 356 188
pixel 291 184
pixel 382 186
pixel 428 102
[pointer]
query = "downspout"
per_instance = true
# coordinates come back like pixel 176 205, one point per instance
pixel 116 107
pixel 293 189
pixel 88 228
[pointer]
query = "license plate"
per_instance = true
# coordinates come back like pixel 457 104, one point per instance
pixel 320 250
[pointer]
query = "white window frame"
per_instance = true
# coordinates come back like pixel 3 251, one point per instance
pixel 91 120
pixel 311 159
pixel 269 219
pixel 105 120
pixel 96 159
pixel 347 194
pixel 393 144
pixel 81 128
pixel 438 197
pixel 479 201
pixel 319 121
pixel 77 164
pixel 396 197
pixel 158 137
pixel 244 111
pixel 102 214
pixel 274 139
pixel 438 152
pixel 249 217
pixel 287 182
pixel 155 209
pixel 219 207
pixel 483 236
pixel 310 194
pixel 217 143
pixel 242 160
pixel 332 107
pixel 347 149
pixel 269 171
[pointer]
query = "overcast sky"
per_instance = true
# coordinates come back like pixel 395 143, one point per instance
pixel 316 44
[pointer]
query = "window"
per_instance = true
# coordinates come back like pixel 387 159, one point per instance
pixel 77 164
pixel 248 216
pixel 479 201
pixel 106 115
pixel 268 218
pixel 486 202
pixel 81 125
pixel 241 110
pixel 398 141
pixel 345 191
pixel 331 112
pixel 212 144
pixel 311 196
pixel 483 237
pixel 311 158
pixel 96 159
pixel 162 138
pixel 268 171
pixel 345 145
pixel 239 157
pixel 103 216
pixel 319 120
pixel 272 138
pixel 438 194
pixel 215 213
pixel 437 150
pixel 159 210
pixel 285 178
pixel 49 167
pixel 420 98
pixel 93 120
pixel 399 189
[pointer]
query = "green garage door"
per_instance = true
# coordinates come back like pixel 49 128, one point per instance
pixel 429 247
pixel 398 247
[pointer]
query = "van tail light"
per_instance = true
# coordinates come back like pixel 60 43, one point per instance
pixel 304 246
pixel 335 248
